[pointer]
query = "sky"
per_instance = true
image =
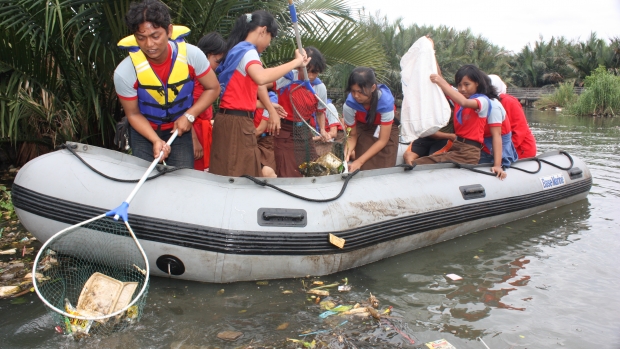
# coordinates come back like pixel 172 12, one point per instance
pixel 509 24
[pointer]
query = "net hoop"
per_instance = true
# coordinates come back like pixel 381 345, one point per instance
pixel 64 313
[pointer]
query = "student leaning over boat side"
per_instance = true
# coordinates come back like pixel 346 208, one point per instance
pixel 369 112
pixel 475 100
pixel 235 151
pixel 284 144
pixel 155 84
pixel 214 47
pixel 522 137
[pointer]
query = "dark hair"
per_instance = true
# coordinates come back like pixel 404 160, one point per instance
pixel 317 63
pixel 153 11
pixel 478 76
pixel 364 78
pixel 212 44
pixel 242 27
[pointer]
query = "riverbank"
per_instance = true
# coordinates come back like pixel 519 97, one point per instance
pixel 17 246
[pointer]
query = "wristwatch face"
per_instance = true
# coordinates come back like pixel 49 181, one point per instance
pixel 190 117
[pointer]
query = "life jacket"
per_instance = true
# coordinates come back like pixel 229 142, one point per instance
pixel 162 102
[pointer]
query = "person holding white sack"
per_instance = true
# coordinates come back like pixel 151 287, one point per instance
pixel 425 109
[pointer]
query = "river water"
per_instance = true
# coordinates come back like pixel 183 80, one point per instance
pixel 546 281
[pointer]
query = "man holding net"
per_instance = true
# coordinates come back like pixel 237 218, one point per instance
pixel 294 145
pixel 155 84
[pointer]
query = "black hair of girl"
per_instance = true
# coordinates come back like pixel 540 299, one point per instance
pixel 317 63
pixel 478 76
pixel 365 78
pixel 212 44
pixel 153 11
pixel 246 23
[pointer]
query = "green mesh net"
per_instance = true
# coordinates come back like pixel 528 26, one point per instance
pixel 314 155
pixel 92 277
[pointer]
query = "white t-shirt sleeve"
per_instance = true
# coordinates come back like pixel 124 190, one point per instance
pixel 348 114
pixel 250 56
pixel 125 79
pixel 321 92
pixel 332 114
pixel 387 117
pixel 197 59
pixel 498 113
pixel 483 107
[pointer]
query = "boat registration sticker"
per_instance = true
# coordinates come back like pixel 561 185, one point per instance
pixel 552 181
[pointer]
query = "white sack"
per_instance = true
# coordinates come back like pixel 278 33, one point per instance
pixel 425 109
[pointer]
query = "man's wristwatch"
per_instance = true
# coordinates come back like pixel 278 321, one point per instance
pixel 190 117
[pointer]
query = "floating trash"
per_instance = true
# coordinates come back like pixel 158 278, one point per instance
pixel 230 335
pixel 439 344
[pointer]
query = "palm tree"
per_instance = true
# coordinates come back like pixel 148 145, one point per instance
pixel 57 58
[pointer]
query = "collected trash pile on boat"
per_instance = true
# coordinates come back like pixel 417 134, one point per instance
pixel 325 165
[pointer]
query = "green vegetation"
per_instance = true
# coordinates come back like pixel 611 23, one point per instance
pixel 601 96
pixel 562 97
pixel 6 203
pixel 57 59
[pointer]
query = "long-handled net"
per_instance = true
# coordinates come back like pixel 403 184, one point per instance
pixel 93 277
pixel 315 156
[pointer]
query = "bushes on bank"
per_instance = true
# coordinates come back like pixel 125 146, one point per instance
pixel 562 97
pixel 601 96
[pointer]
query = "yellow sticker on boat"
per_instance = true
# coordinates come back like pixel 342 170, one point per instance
pixel 552 181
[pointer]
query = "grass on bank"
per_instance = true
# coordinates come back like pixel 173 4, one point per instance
pixel 601 96
pixel 561 98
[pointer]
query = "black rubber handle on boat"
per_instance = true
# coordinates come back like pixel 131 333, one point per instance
pixel 270 216
pixel 346 178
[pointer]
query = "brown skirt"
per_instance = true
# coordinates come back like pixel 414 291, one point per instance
pixel 460 152
pixel 386 157
pixel 289 151
pixel 265 146
pixel 234 151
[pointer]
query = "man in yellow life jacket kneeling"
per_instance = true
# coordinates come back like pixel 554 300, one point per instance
pixel 155 84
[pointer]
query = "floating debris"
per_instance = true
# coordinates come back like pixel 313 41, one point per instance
pixel 344 288
pixel 439 344
pixel 230 335
pixel 262 283
pixel 9 251
pixel 283 326
pixel 287 292
pixel 6 291
pixel 318 292
pixel 454 277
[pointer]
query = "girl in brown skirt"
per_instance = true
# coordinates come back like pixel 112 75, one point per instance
pixel 234 150
pixel 369 113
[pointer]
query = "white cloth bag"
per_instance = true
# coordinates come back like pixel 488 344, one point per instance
pixel 425 109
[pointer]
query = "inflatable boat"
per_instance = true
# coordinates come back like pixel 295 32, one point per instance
pixel 198 226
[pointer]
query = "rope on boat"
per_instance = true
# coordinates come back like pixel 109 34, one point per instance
pixel 473 169
pixel 263 183
pixel 162 171
pixel 570 158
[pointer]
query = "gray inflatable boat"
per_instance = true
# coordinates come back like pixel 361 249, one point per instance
pixel 199 226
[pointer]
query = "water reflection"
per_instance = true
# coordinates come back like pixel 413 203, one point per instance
pixel 543 281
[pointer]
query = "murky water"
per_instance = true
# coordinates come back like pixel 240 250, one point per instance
pixel 547 281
